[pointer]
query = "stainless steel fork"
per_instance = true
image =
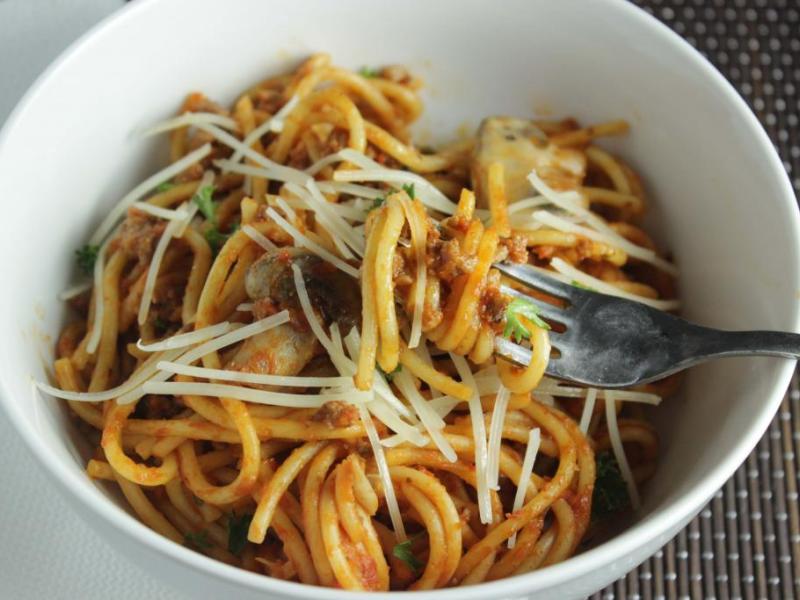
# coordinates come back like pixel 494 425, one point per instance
pixel 612 342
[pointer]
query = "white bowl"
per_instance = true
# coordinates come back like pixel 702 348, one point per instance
pixel 721 203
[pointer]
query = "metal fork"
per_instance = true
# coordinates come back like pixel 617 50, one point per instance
pixel 612 342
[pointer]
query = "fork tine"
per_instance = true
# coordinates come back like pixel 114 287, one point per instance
pixel 546 311
pixel 530 276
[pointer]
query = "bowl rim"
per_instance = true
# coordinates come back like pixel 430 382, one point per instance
pixel 657 525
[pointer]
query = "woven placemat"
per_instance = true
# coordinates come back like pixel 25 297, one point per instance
pixel 746 542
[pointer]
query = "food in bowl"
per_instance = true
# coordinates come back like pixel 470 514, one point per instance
pixel 284 356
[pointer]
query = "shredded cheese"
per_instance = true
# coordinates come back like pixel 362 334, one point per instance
pixel 218 390
pixel 496 436
pixel 258 238
pixel 189 119
pixel 479 435
pixel 337 234
pixel 619 450
pixel 274 124
pixel 425 190
pixel 617 241
pixel 383 472
pixel 232 337
pixel 571 274
pixel 146 186
pixel 525 483
pixel 245 307
pixel 75 290
pixel 433 422
pixel 257 378
pixel 170 231
pixel 338 225
pixel 588 410
pixel 157 211
pixel 306 242
pixel 190 338
pixel 142 374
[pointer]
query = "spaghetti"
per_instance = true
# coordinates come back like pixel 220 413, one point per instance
pixel 286 358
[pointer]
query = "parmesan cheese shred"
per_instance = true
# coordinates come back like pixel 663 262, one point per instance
pixel 287 345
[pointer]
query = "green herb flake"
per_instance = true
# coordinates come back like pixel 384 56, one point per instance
pixel 610 491
pixel 198 540
pixel 238 525
pixel 369 72
pixel 86 257
pixel 390 376
pixel 404 553
pixel 165 187
pixel 515 328
pixel 583 286
pixel 378 202
pixel 408 188
pixel 204 198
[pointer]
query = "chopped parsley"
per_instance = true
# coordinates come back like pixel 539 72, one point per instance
pixel 86 257
pixel 165 187
pixel 610 491
pixel 369 72
pixel 198 540
pixel 378 202
pixel 204 198
pixel 515 328
pixel 583 286
pixel 390 376
pixel 404 553
pixel 238 525
pixel 408 188
pixel 216 239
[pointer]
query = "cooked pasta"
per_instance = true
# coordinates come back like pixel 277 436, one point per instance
pixel 285 359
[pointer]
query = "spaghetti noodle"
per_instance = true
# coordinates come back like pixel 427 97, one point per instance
pixel 286 361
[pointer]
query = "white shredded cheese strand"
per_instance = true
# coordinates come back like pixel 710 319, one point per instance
pixel 424 189
pixel 308 311
pixel 351 189
pixel 571 274
pixel 274 124
pixel 232 337
pixel 157 211
pixel 190 338
pixel 341 227
pixel 323 217
pixel 564 200
pixel 631 249
pixel 556 388
pixel 531 450
pixel 619 449
pixel 347 154
pixel 524 203
pixel 386 407
pixel 245 307
pixel 257 378
pixel 588 410
pixel 218 390
pixel 189 119
pixel 479 436
pixel 268 170
pixel 433 422
pixel 155 264
pixel 75 290
pixel 140 190
pixel 258 238
pixel 279 172
pixel 383 472
pixel 306 242
pixel 137 378
pixel 496 436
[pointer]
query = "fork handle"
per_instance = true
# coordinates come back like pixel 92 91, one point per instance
pixel 714 343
